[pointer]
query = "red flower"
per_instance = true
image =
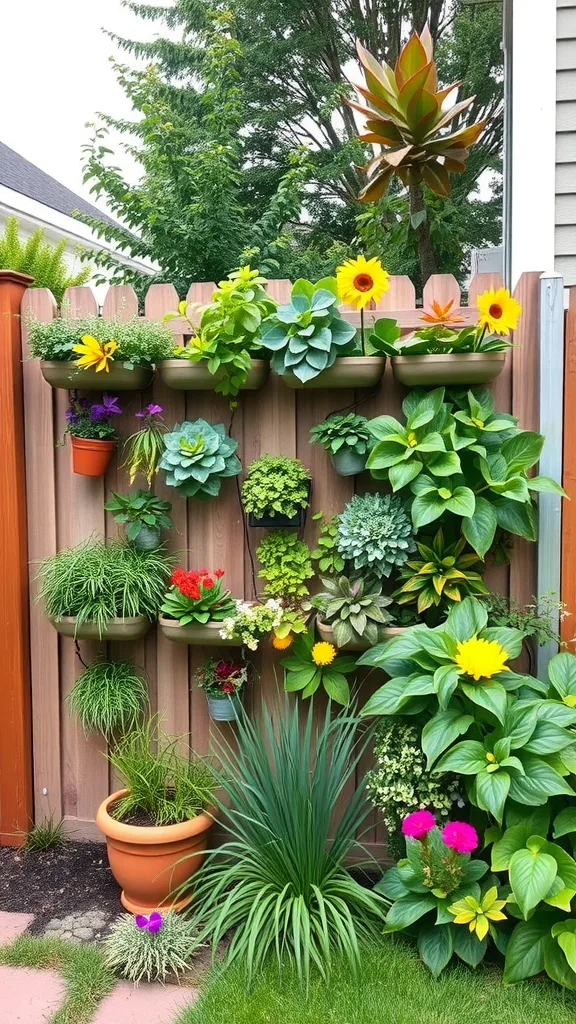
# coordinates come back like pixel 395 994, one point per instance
pixel 177 577
pixel 228 687
pixel 218 573
pixel 203 572
pixel 208 583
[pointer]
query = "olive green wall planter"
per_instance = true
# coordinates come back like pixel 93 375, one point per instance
pixel 448 368
pixel 131 628
pixel 182 375
pixel 201 634
pixel 347 462
pixel 347 372
pixel 384 633
pixel 68 376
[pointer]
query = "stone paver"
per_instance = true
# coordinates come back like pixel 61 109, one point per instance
pixel 12 925
pixel 129 1005
pixel 29 996
pixel 83 926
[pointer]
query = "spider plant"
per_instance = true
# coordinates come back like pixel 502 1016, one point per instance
pixel 108 697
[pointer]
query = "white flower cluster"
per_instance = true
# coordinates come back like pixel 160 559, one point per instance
pixel 252 622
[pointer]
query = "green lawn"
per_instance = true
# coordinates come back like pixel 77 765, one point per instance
pixel 395 988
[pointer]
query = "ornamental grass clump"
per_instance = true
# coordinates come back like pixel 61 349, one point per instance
pixel 102 579
pixel 108 697
pixel 285 565
pixel 197 457
pixel 375 533
pixel 150 947
pixel 279 885
pixel 275 485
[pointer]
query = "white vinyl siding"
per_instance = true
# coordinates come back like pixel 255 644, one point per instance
pixel 565 208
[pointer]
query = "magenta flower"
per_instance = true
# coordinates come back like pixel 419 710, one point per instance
pixel 151 924
pixel 418 824
pixel 108 407
pixel 150 410
pixel 460 836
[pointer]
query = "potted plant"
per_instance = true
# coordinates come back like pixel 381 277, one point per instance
pixel 87 352
pixel 276 491
pixel 223 682
pixel 347 439
pixel 195 606
pixel 374 534
pixel 250 622
pixel 143 449
pixel 92 434
pixel 352 612
pixel 224 344
pixel 145 515
pixel 311 343
pixel 157 826
pixel 197 457
pixel 442 574
pixel 103 590
pixel 446 354
pixel 285 566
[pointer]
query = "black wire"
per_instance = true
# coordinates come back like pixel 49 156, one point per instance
pixel 78 655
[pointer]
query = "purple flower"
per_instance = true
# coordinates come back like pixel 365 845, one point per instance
pixel 108 407
pixel 150 410
pixel 152 924
pixel 71 415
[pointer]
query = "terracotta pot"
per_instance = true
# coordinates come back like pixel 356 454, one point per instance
pixel 384 633
pixel 346 372
pixel 201 634
pixel 149 863
pixel 450 368
pixel 60 374
pixel 182 375
pixel 91 457
pixel 347 462
pixel 130 628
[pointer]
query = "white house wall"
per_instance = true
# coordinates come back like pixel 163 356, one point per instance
pixel 565 176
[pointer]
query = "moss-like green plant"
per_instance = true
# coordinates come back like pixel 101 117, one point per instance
pixel 140 342
pixel 285 565
pixel 275 485
pixel 197 456
pixel 108 697
pixel 145 948
pixel 375 533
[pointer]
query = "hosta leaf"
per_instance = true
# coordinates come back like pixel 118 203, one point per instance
pixel 531 875
pixel 525 952
pixel 442 730
pixel 435 947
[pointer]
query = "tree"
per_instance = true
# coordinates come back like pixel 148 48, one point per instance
pixel 44 262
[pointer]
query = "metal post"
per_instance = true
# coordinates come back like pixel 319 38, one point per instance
pixel 551 423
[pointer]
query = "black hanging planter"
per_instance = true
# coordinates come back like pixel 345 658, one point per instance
pixel 281 522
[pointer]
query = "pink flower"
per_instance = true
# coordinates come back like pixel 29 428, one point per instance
pixel 460 836
pixel 418 824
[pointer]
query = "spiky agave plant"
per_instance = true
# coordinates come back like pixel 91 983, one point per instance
pixel 280 883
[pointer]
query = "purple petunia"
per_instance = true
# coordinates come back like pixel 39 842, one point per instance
pixel 150 410
pixel 71 415
pixel 108 407
pixel 151 924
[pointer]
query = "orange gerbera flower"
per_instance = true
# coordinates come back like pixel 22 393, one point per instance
pixel 442 315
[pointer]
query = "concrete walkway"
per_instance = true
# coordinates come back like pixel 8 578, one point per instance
pixel 33 996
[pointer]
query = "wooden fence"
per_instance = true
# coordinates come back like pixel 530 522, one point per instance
pixel 71 773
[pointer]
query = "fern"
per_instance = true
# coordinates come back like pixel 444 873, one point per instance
pixel 43 261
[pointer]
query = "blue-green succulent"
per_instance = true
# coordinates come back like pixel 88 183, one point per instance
pixel 197 456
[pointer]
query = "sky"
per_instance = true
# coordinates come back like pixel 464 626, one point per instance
pixel 55 68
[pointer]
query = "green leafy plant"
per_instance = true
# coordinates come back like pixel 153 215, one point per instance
pixel 307 334
pixel 43 835
pixel 326 553
pixel 275 485
pixel 441 576
pixel 533 620
pixel 229 330
pixel 222 678
pixel 375 534
pixel 355 608
pixel 250 623
pixel 314 664
pixel 92 419
pixel 99 580
pixel 140 342
pixel 44 262
pixel 285 565
pixel 459 457
pixel 343 432
pixel 442 339
pixel 197 457
pixel 164 784
pixel 138 509
pixel 143 449
pixel 198 596
pixel 279 885
pixel 151 948
pixel 108 697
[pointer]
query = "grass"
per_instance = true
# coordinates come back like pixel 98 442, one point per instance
pixel 45 835
pixel 394 988
pixel 87 979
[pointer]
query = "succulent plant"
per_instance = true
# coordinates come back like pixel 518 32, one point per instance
pixel 337 432
pixel 308 332
pixel 440 576
pixel 286 565
pixel 196 458
pixel 354 608
pixel 375 533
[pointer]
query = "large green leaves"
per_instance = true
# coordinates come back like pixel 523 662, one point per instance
pixel 525 952
pixel 436 947
pixel 466 619
pixel 532 872
pixel 442 730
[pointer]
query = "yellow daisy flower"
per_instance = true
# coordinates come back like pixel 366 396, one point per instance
pixel 280 643
pixel 361 280
pixel 481 659
pixel 323 653
pixel 94 353
pixel 499 311
pixel 477 915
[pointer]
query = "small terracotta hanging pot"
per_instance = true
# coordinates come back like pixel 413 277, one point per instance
pixel 91 457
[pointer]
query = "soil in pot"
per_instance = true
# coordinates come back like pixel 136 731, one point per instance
pixel 435 370
pixel 91 457
pixel 346 372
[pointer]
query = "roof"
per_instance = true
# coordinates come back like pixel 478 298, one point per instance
pixel 24 177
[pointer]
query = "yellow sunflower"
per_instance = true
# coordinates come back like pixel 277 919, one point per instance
pixel 280 643
pixel 481 659
pixel 323 653
pixel 95 353
pixel 499 311
pixel 361 280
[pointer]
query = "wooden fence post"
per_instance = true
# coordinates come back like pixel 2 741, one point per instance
pixel 15 746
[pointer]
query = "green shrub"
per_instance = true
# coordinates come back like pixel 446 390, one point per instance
pixel 136 953
pixel 285 565
pixel 140 342
pixel 138 509
pixel 375 533
pixel 44 262
pixel 108 697
pixel 197 457
pixel 275 485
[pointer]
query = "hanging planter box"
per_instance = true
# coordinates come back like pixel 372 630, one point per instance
pixel 182 375
pixel 196 633
pixel 130 628
pixel 384 633
pixel 347 462
pixel 91 457
pixel 65 375
pixel 279 521
pixel 435 370
pixel 346 372
pixel 224 709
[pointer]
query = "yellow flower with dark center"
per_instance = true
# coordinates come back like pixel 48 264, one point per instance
pixel 481 659
pixel 323 653
pixel 94 353
pixel 478 914
pixel 499 311
pixel 361 280
pixel 280 643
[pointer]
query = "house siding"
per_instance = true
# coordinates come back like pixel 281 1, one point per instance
pixel 565 207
